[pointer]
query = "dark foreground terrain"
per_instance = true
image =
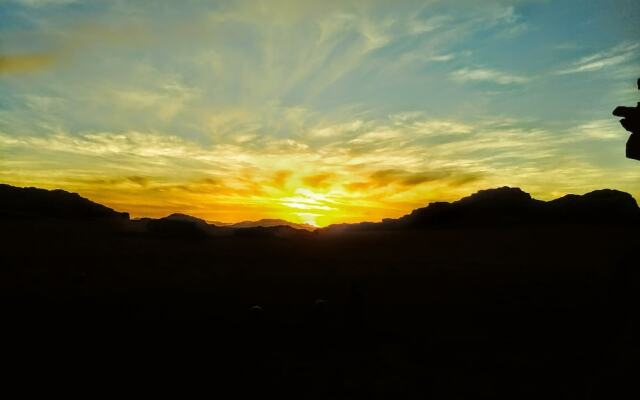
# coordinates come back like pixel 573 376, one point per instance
pixel 93 302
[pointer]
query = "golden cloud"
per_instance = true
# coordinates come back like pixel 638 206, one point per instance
pixel 23 63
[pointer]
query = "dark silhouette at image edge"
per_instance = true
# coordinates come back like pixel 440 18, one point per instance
pixel 631 122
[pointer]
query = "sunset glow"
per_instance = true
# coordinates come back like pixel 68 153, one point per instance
pixel 314 112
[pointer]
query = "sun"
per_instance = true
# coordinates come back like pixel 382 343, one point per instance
pixel 307 206
pixel 308 218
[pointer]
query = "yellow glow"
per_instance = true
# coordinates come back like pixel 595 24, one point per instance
pixel 308 218
pixel 153 175
pixel 314 206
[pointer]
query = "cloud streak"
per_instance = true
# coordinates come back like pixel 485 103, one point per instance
pixel 606 59
pixel 381 165
pixel 487 75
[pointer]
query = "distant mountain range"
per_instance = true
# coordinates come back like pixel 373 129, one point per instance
pixel 503 206
pixel 265 223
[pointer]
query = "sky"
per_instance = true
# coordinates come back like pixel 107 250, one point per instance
pixel 316 112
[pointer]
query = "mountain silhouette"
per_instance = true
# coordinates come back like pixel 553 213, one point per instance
pixel 599 206
pixel 507 206
pixel 177 225
pixel 492 206
pixel 269 222
pixel 32 202
pixel 186 218
pixel 263 223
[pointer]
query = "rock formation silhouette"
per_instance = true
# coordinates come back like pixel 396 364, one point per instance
pixel 499 207
pixel 171 227
pixel 507 206
pixel 270 223
pixel 36 203
pixel 631 122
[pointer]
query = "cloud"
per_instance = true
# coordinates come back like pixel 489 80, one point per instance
pixel 332 130
pixel 280 178
pixel 164 101
pixel 44 3
pixel 318 180
pixel 22 63
pixel 140 180
pixel 152 173
pixel 487 75
pixel 418 124
pixel 399 180
pixel 602 129
pixel 442 57
pixel 405 178
pixel 605 59
pixel 376 136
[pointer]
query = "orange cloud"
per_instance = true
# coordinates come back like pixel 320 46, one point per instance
pixel 318 180
pixel 22 63
pixel 401 178
pixel 280 178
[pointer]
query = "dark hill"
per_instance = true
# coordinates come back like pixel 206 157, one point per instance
pixel 269 223
pixel 487 207
pixel 508 206
pixel 179 225
pixel 595 207
pixel 186 226
pixel 503 206
pixel 173 227
pixel 279 231
pixel 16 202
pixel 185 217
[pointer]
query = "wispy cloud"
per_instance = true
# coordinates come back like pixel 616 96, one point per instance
pixel 487 75
pixel 391 164
pixel 602 129
pixel 605 59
